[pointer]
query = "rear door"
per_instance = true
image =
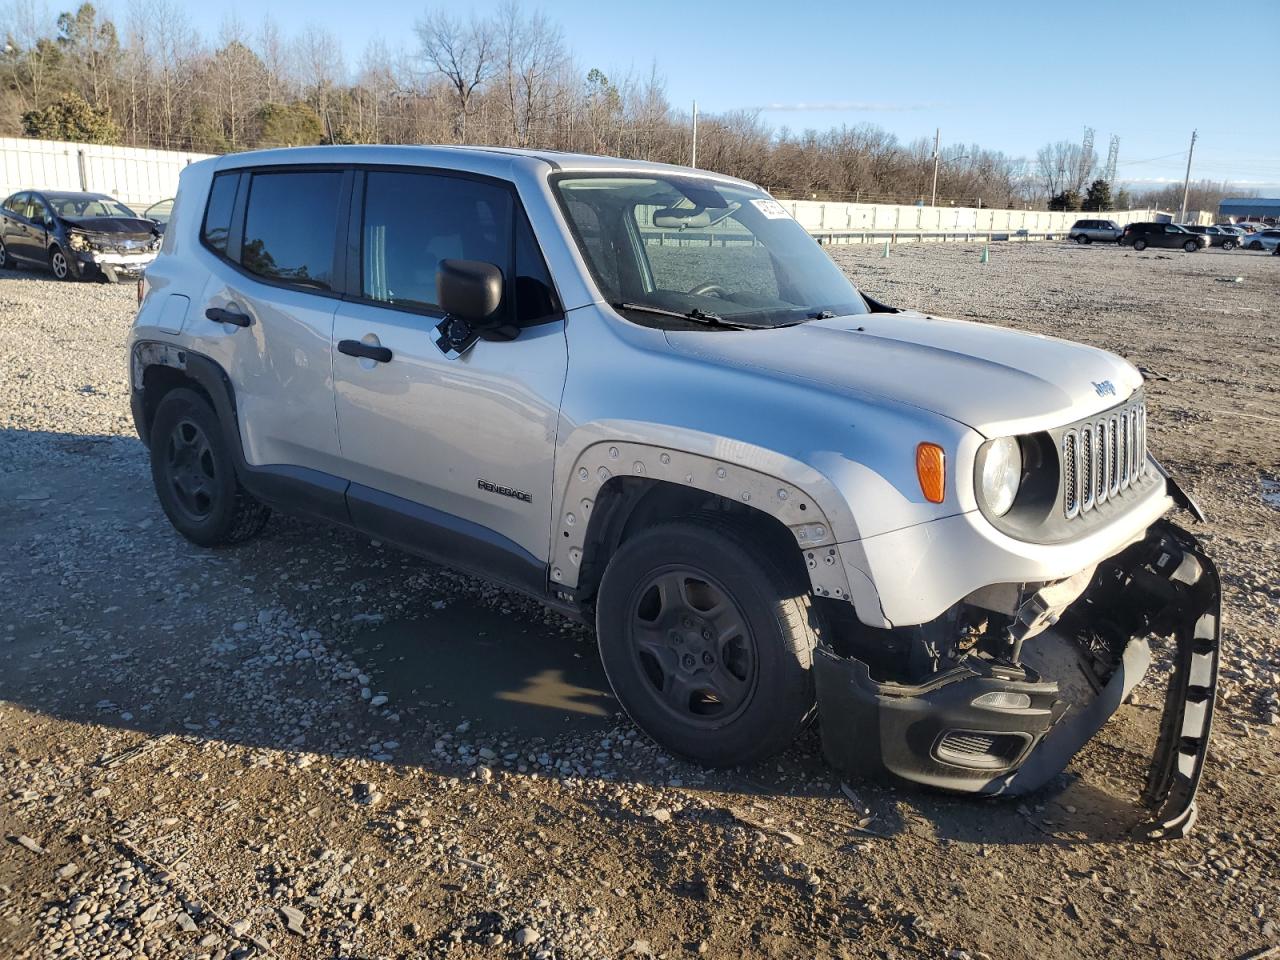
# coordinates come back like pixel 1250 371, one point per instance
pixel 266 313
pixel 21 235
pixel 464 443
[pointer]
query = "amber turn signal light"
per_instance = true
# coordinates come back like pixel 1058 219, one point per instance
pixel 931 469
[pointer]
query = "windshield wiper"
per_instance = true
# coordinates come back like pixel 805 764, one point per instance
pixel 710 319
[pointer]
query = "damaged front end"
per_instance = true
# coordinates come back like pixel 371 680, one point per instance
pixel 997 703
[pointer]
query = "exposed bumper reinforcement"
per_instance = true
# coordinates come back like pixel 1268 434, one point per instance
pixel 997 729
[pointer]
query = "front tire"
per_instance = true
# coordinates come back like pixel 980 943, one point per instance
pixel 707 641
pixel 1228 245
pixel 1082 239
pixel 59 265
pixel 194 474
pixel 1256 245
pixel 1191 246
pixel 6 261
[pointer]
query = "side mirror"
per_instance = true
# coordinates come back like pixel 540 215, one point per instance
pixel 470 293
pixel 470 290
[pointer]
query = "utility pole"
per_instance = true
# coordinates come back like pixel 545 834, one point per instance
pixel 937 136
pixel 1186 183
pixel 693 159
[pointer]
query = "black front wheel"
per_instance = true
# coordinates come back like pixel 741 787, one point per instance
pixel 1228 244
pixel 194 474
pixel 5 260
pixel 707 642
pixel 1191 246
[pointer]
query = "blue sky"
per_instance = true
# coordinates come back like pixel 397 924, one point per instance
pixel 1007 75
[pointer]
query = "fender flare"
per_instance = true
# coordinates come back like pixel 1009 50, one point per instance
pixel 794 507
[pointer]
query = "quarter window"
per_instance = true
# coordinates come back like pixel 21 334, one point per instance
pixel 535 295
pixel 217 215
pixel 412 221
pixel 289 226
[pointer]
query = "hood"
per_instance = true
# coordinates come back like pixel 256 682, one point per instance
pixel 996 380
pixel 111 224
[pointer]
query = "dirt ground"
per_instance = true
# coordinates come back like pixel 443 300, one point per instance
pixel 314 746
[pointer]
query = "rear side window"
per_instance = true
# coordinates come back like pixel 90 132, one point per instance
pixel 412 221
pixel 290 224
pixel 217 214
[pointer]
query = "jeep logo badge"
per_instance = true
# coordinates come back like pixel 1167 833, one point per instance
pixel 1105 388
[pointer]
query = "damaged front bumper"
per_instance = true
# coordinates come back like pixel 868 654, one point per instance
pixel 1004 728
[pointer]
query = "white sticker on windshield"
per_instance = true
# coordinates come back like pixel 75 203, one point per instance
pixel 772 209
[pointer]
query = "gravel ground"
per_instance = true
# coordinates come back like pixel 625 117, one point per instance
pixel 286 749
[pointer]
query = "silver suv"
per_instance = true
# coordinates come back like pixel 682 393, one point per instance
pixel 1089 231
pixel 644 395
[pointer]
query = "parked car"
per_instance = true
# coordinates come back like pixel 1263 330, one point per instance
pixel 770 492
pixel 1263 239
pixel 1218 236
pixel 1143 235
pixel 159 213
pixel 1087 231
pixel 75 235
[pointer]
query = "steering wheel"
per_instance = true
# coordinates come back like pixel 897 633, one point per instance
pixel 708 290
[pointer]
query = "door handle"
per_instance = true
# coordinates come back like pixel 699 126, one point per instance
pixel 357 348
pixel 219 315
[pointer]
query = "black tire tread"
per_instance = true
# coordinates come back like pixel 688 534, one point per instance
pixel 248 516
pixel 788 596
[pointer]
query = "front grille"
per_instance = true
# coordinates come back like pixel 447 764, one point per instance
pixel 1103 456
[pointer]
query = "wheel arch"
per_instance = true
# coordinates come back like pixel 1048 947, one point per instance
pixel 616 488
pixel 156 368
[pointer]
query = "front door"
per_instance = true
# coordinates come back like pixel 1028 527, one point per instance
pixel 432 443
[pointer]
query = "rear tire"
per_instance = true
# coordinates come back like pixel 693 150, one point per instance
pixel 1082 239
pixel 194 474
pixel 6 261
pixel 707 641
pixel 1139 245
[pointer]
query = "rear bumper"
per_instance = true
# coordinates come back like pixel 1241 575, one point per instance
pixel 1001 729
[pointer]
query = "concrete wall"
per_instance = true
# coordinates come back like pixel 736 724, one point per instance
pixel 135 176
pixel 141 177
pixel 820 217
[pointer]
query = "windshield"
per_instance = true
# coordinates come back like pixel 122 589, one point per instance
pixel 700 248
pixel 65 205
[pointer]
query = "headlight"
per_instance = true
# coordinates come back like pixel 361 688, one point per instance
pixel 77 241
pixel 999 473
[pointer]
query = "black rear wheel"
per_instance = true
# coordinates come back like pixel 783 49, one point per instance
pixel 707 642
pixel 194 474
pixel 1139 244
pixel 5 260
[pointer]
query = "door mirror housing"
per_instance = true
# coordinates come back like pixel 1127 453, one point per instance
pixel 469 290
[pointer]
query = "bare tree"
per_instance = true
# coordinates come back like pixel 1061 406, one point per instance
pixel 462 53
pixel 321 70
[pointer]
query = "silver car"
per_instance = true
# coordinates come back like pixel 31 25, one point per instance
pixel 1090 231
pixel 645 396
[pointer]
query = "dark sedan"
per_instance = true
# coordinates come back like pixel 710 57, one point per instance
pixel 1223 237
pixel 76 235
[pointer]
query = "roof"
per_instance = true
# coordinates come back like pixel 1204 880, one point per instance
pixel 1250 205
pixel 478 159
pixel 78 194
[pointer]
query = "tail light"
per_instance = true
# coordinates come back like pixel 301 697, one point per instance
pixel 143 287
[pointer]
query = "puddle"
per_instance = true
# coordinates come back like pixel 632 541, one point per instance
pixel 1271 492
pixel 467 661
